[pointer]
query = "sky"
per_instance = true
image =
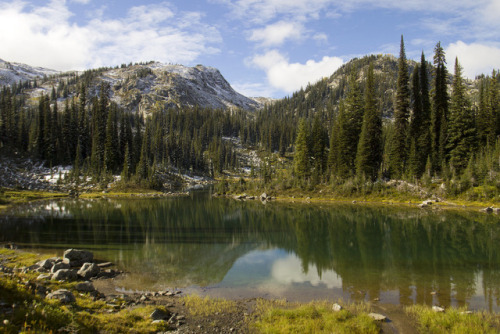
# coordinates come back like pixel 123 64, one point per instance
pixel 268 48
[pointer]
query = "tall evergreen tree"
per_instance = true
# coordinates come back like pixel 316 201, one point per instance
pixel 461 127
pixel 439 113
pixel 350 121
pixel 369 154
pixel 301 162
pixel 398 154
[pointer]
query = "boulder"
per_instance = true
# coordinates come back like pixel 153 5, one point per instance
pixel 76 257
pixel 60 265
pixel 63 295
pixel 89 270
pixel 487 210
pixel 85 287
pixel 46 264
pixel 263 197
pixel 158 314
pixel 65 275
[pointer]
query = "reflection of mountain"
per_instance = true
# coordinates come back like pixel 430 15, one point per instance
pixel 197 240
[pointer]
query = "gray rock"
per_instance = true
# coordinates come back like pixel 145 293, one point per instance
pixel 63 295
pixel 43 276
pixel 60 265
pixel 46 264
pixel 89 270
pixel 377 317
pixel 437 309
pixel 76 257
pixel 65 275
pixel 159 315
pixel 105 264
pixel 487 210
pixel 336 307
pixel 85 287
pixel 263 196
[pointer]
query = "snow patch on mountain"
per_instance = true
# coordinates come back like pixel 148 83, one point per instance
pixel 11 73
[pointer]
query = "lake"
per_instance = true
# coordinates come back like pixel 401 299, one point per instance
pixel 226 248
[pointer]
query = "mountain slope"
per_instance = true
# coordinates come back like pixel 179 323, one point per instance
pixel 140 87
pixel 137 88
pixel 11 73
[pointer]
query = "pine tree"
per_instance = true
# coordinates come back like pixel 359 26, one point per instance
pixel 318 149
pixel 126 164
pixel 399 147
pixel 439 113
pixel 461 127
pixel 369 154
pixel 350 121
pixel 301 157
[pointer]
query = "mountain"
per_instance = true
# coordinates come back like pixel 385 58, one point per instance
pixel 13 73
pixel 326 94
pixel 138 88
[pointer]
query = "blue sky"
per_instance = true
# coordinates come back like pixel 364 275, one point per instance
pixel 262 47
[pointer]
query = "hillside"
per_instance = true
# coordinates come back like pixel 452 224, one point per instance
pixel 136 88
pixel 13 73
pixel 326 94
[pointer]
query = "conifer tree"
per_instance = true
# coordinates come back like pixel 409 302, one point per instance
pixel 369 154
pixel 461 127
pixel 439 110
pixel 398 154
pixel 350 121
pixel 126 164
pixel 318 149
pixel 301 157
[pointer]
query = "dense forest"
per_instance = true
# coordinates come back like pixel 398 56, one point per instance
pixel 377 118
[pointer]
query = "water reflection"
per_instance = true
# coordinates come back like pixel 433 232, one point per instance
pixel 357 252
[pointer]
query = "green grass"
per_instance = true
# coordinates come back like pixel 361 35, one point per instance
pixel 314 317
pixel 198 306
pixel 34 314
pixel 453 320
pixel 8 196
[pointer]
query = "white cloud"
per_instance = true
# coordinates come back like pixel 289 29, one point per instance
pixel 290 77
pixel 83 2
pixel 276 34
pixel 46 36
pixel 289 270
pixel 475 58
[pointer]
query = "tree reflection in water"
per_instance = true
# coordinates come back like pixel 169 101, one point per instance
pixel 366 251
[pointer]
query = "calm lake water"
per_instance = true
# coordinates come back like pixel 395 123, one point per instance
pixel 225 248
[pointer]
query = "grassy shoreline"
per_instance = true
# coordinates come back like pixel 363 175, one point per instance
pixel 23 309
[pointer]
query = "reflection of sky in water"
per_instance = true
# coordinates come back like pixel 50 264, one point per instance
pixel 277 267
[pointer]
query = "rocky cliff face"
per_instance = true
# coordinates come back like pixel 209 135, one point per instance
pixel 145 87
pixel 142 87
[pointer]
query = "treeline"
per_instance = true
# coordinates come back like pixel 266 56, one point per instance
pixel 431 134
pixel 100 139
